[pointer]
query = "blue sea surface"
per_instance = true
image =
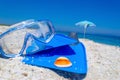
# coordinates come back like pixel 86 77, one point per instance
pixel 65 13
pixel 103 39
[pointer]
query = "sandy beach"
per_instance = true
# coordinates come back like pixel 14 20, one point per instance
pixel 103 64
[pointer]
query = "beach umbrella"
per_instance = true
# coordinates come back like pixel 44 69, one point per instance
pixel 85 24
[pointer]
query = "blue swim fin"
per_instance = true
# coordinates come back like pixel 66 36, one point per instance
pixel 61 47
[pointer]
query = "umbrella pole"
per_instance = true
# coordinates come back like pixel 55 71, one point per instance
pixel 85 27
pixel 84 32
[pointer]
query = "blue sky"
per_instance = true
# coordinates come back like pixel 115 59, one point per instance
pixel 64 13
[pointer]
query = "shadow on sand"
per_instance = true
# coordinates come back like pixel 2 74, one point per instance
pixel 70 75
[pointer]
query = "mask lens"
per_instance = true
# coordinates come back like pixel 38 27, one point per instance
pixel 47 31
pixel 13 41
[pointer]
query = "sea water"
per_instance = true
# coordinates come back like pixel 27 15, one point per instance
pixel 110 40
pixel 100 38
